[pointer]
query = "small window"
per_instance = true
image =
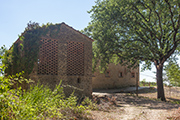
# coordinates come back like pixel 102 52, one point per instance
pixel 120 74
pixel 133 75
pixel 107 74
pixel 78 80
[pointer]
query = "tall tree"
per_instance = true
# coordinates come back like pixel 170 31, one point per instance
pixel 145 30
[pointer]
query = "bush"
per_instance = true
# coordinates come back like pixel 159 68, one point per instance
pixel 38 102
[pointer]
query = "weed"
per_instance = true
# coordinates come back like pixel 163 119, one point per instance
pixel 39 102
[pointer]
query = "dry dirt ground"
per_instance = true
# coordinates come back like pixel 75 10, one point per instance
pixel 126 106
pixel 171 93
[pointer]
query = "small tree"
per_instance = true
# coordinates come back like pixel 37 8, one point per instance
pixel 133 30
pixel 173 73
pixel 2 52
pixel 143 82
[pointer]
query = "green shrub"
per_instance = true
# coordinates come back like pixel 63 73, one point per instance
pixel 39 102
pixel 90 105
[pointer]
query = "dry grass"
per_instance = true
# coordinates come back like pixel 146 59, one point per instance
pixel 172 94
pixel 176 115
pixel 126 106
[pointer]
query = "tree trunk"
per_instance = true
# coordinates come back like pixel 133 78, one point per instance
pixel 160 88
pixel 137 85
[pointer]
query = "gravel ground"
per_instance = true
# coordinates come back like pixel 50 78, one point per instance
pixel 130 107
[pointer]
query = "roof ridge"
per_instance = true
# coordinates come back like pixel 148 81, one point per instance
pixel 77 31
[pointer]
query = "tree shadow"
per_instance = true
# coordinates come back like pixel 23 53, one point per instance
pixel 145 102
pixel 143 91
pixel 128 97
pixel 127 90
pixel 174 99
pixel 148 90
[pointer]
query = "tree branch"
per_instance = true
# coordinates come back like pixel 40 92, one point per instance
pixel 159 19
pixel 137 10
pixel 151 33
pixel 171 51
pixel 178 23
pixel 170 13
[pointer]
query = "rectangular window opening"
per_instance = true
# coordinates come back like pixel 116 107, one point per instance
pixel 48 57
pixel 120 74
pixel 132 75
pixel 107 74
pixel 75 58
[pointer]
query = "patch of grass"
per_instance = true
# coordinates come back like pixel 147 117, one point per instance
pixel 173 101
pixel 40 102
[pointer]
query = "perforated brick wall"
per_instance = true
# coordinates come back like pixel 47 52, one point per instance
pixel 75 58
pixel 48 57
pixel 65 56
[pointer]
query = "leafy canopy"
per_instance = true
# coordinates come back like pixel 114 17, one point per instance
pixel 146 30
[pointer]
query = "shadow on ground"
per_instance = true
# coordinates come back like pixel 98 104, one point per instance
pixel 127 90
pixel 174 99
pixel 145 102
pixel 127 96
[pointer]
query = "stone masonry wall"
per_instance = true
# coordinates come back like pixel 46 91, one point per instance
pixel 113 79
pixel 81 84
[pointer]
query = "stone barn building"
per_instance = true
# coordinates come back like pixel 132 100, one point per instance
pixel 63 54
pixel 116 76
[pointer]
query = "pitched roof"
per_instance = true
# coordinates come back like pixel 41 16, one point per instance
pixel 77 31
pixel 19 41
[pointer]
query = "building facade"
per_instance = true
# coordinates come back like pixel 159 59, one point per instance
pixel 116 76
pixel 64 55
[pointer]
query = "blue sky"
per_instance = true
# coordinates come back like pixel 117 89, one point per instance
pixel 15 14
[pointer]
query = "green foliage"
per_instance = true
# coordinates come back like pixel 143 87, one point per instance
pixel 144 80
pixel 2 52
pixel 173 74
pixel 9 101
pixel 90 105
pixel 19 57
pixel 23 54
pixel 38 102
pixel 133 30
pixel 145 83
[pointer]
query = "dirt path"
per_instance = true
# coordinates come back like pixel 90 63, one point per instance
pixel 129 107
